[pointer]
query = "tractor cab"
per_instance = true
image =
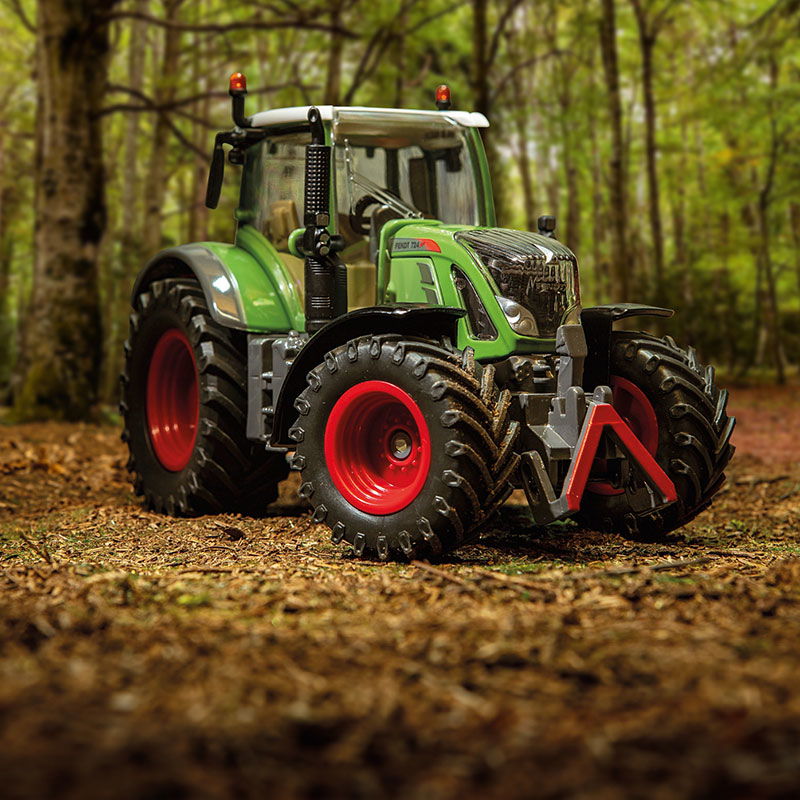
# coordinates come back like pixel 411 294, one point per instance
pixel 388 165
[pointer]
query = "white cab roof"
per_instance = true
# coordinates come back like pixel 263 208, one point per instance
pixel 296 115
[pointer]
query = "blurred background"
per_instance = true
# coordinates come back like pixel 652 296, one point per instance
pixel 663 134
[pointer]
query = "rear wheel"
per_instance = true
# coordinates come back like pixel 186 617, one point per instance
pixel 417 446
pixel 183 403
pixel 674 406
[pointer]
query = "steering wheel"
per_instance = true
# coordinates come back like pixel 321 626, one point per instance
pixel 359 220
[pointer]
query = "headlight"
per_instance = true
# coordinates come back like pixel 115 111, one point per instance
pixel 519 318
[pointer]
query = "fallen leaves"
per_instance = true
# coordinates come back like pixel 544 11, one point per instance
pixel 229 655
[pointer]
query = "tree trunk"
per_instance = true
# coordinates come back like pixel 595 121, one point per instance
pixel 399 45
pixel 61 341
pixel 201 56
pixel 573 222
pixel 480 54
pixel 600 266
pixel 6 259
pixel 520 117
pixel 678 202
pixel 481 83
pixel 771 315
pixel 772 323
pixel 561 74
pixel 5 191
pixel 333 82
pixel 620 267
pixel 130 177
pixel 525 172
pixel 128 259
pixel 647 42
pixel 794 221
pixel 156 180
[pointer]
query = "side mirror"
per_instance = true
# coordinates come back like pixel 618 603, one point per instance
pixel 215 174
pixel 240 138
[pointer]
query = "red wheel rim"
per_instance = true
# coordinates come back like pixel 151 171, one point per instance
pixel 173 400
pixel 632 405
pixel 377 447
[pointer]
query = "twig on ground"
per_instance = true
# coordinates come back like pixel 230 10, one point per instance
pixel 686 562
pixel 612 572
pixel 514 580
pixel 219 569
pixel 440 573
pixel 40 549
pixel 661 566
pixel 754 480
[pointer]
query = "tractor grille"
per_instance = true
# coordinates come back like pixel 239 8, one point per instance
pixel 535 271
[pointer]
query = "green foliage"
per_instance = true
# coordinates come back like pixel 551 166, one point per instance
pixel 727 119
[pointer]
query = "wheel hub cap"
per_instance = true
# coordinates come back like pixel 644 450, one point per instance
pixel 400 445
pixel 173 400
pixel 377 447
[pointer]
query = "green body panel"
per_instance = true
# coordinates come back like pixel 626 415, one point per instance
pixel 277 306
pixel 415 280
pixel 400 281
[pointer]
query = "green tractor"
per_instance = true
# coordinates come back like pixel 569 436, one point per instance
pixel 371 328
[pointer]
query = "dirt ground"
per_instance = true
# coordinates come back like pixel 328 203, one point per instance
pixel 149 657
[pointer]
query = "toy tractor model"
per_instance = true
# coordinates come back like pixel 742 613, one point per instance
pixel 414 362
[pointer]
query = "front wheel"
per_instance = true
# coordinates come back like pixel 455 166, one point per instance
pixel 674 406
pixel 405 446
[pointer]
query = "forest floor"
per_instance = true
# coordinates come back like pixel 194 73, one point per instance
pixel 149 657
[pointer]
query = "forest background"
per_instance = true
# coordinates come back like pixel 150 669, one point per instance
pixel 663 134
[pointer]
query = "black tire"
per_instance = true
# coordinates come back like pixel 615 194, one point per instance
pixel 694 434
pixel 471 446
pixel 225 471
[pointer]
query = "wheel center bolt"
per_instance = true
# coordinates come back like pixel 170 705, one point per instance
pixel 400 445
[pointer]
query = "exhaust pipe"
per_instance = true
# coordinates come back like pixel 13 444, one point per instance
pixel 325 278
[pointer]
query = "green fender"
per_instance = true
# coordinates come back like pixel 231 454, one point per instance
pixel 242 291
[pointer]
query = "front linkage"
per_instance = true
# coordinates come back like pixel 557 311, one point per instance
pixel 576 429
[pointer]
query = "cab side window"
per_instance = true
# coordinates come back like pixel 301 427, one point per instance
pixel 278 203
pixel 275 194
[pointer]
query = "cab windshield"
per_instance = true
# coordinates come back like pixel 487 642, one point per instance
pixel 392 166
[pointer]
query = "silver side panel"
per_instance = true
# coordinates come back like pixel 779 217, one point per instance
pixel 218 283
